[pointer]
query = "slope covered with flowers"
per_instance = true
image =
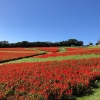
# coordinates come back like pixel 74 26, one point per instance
pixel 72 51
pixel 49 49
pixel 7 54
pixel 47 80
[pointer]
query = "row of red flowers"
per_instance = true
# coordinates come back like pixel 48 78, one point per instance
pixel 18 49
pixel 75 49
pixel 73 52
pixel 49 49
pixel 13 49
pixel 48 80
pixel 5 56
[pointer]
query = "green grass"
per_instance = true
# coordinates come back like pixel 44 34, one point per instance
pixel 93 47
pixel 94 96
pixel 62 49
pixel 31 59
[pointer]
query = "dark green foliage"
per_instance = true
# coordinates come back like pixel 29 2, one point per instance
pixel 70 42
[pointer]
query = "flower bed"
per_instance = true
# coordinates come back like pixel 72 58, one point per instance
pixel 47 80
pixel 74 52
pixel 49 49
pixel 17 49
pixel 5 56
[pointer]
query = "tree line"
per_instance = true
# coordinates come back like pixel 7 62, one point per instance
pixel 69 42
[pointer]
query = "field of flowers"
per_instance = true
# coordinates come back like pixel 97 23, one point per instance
pixel 7 54
pixel 72 51
pixel 15 49
pixel 50 80
pixel 49 49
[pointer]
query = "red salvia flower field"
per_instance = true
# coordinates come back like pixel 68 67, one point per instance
pixel 7 54
pixel 52 80
pixel 15 49
pixel 49 49
pixel 72 51
pixel 44 79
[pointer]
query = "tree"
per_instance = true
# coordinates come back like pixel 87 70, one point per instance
pixel 4 44
pixel 90 43
pixel 68 42
pixel 71 42
pixel 24 43
pixel 79 43
pixel 18 44
pixel 98 42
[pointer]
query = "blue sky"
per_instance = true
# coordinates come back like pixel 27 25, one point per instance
pixel 49 20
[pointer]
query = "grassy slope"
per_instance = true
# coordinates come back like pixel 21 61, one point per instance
pixel 94 96
pixel 62 49
pixel 93 47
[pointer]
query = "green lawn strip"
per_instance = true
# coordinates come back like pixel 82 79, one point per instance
pixel 62 49
pixel 94 96
pixel 93 47
pixel 55 58
pixel 73 47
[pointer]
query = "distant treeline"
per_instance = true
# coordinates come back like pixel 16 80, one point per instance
pixel 69 42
